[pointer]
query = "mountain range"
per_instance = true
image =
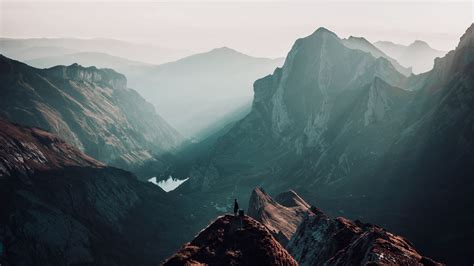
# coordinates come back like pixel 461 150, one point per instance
pixel 193 93
pixel 42 48
pixel 340 123
pixel 317 239
pixel 418 55
pixel 62 207
pixel 347 130
pixel 90 108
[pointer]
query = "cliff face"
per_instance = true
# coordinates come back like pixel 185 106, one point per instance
pixel 324 95
pixel 89 108
pixel 321 240
pixel 281 216
pixel 61 207
pixel 232 241
pixel 346 130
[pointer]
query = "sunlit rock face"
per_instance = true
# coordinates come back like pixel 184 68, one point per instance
pixel 61 207
pixel 88 107
pixel 281 215
pixel 321 240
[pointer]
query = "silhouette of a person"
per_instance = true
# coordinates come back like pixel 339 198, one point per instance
pixel 236 207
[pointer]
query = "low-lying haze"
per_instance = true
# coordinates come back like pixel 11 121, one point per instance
pixel 263 28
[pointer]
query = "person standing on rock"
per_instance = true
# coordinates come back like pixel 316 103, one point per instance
pixel 236 207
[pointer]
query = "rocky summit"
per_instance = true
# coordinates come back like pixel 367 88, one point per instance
pixel 321 240
pixel 232 240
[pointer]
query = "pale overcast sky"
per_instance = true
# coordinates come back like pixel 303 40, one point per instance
pixel 264 28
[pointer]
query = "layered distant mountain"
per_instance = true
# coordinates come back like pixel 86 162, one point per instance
pixel 362 44
pixel 61 207
pixel 195 92
pixel 418 55
pixel 232 240
pixel 88 107
pixel 347 130
pixel 87 59
pixel 28 49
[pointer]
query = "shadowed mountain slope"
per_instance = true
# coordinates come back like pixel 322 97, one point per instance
pixel 88 107
pixel 61 207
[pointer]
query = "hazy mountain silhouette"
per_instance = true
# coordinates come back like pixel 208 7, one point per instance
pixel 28 49
pixel 195 92
pixel 362 44
pixel 87 59
pixel 418 55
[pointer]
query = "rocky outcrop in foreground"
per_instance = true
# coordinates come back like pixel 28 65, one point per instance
pixel 321 240
pixel 281 216
pixel 232 241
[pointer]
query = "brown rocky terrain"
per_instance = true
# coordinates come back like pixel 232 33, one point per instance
pixel 230 240
pixel 59 206
pixel 281 216
pixel 321 240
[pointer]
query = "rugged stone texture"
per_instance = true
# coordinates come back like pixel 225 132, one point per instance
pixel 228 242
pixel 281 216
pixel 321 240
pixel 88 107
pixel 60 207
pixel 347 131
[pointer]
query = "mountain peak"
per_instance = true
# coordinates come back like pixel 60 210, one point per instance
pixel 321 31
pixel 231 240
pixel 281 217
pixel 225 49
pixel 419 44
pixel 358 38
pixel 340 241
pixel 291 199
